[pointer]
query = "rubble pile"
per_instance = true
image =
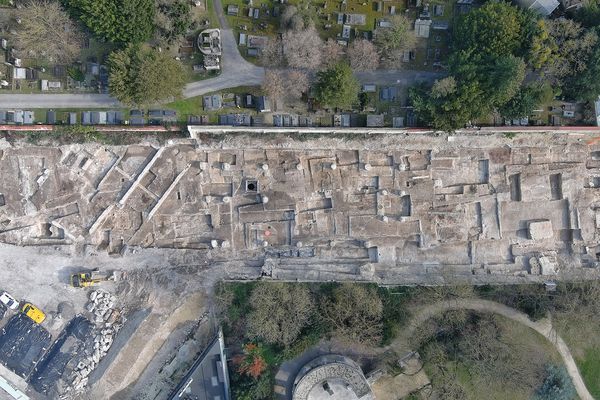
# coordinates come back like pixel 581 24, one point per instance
pixel 108 321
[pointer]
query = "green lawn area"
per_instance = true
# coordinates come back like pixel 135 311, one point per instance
pixel 589 366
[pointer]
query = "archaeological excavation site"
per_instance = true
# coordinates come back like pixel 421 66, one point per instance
pixel 118 247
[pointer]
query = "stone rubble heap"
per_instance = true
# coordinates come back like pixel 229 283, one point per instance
pixel 108 322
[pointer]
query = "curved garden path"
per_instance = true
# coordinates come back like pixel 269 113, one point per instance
pixel 543 327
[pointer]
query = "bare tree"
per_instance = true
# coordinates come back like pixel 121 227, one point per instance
pixel 355 312
pixel 363 55
pixel 274 85
pixel 280 311
pixel 302 49
pixel 332 53
pixel 272 54
pixel 47 32
pixel 297 83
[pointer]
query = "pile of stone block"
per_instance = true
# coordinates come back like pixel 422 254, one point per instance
pixel 108 319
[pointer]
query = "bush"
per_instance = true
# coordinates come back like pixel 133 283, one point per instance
pixel 557 385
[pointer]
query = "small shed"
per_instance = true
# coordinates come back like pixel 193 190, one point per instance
pixel 86 118
pixel 213 102
pixel 369 88
pixel 263 104
pixel 398 122
pixel 375 120
pixel 28 117
pixel 422 27
pixel 233 9
pixel 51 117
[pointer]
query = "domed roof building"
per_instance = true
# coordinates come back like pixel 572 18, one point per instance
pixel 331 377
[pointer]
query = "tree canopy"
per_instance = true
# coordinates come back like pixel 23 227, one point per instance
pixel 493 29
pixel 279 312
pixel 586 85
pixel 392 41
pixel 144 76
pixel 118 21
pixel 337 87
pixel 355 312
pixel 487 66
pixel 47 32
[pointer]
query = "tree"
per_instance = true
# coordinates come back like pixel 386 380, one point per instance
pixel 355 312
pixel 173 19
pixel 46 32
pixel 274 84
pixel 272 54
pixel 143 76
pixel 496 28
pixel 297 83
pixel 118 21
pixel 443 87
pixel 589 14
pixel 252 361
pixel 362 55
pixel 279 312
pixel 332 53
pixel 523 103
pixel 573 47
pixel 302 49
pixel 337 87
pixel 391 42
pixel 585 85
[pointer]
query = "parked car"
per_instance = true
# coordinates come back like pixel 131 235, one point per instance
pixel 9 301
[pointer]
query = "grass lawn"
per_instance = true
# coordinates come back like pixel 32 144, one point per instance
pixel 589 367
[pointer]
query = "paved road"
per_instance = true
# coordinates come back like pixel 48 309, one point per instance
pixel 543 327
pixel 236 71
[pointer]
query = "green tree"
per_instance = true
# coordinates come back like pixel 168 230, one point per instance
pixel 173 19
pixel 118 21
pixel 589 14
pixel 279 312
pixel 497 29
pixel 144 76
pixel 524 102
pixel 337 87
pixel 586 85
pixel 392 41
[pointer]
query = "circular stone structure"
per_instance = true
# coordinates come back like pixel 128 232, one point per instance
pixel 331 377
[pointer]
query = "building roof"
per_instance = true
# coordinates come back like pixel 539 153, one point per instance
pixel 375 120
pixel 213 102
pixel 422 27
pixel 208 379
pixel 263 104
pixel 51 117
pixel 543 7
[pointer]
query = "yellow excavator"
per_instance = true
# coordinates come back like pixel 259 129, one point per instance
pixel 90 278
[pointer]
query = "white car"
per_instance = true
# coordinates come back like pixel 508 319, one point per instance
pixel 9 301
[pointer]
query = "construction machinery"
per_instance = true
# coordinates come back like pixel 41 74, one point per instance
pixel 90 278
